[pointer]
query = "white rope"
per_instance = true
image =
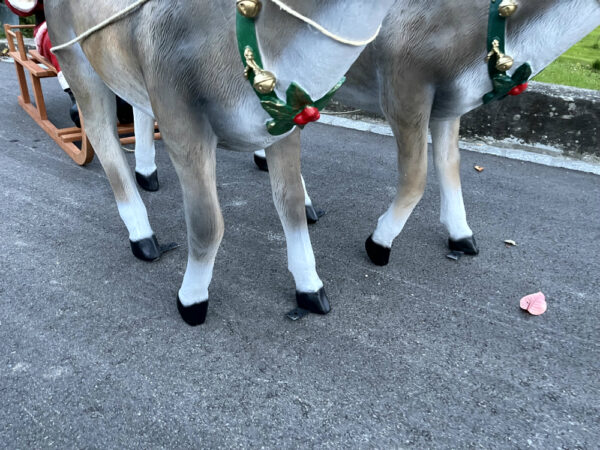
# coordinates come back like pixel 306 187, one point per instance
pixel 322 29
pixel 279 3
pixel 98 27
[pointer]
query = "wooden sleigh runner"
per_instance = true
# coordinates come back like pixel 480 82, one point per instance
pixel 39 67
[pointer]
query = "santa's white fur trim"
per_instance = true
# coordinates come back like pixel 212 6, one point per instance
pixel 63 82
pixel 25 6
pixel 43 29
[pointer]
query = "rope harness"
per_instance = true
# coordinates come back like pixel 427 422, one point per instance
pixel 101 25
pixel 322 29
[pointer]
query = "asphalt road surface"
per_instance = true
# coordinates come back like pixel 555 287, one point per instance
pixel 425 353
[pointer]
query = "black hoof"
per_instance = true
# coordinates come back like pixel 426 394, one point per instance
pixel 148 182
pixel 74 114
pixel 467 245
pixel 146 249
pixel 73 110
pixel 193 315
pixel 124 112
pixel 379 255
pixel 313 215
pixel 315 302
pixel 261 162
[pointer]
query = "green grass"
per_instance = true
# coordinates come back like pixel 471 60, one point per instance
pixel 577 66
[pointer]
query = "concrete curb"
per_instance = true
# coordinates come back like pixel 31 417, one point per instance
pixel 555 119
pixel 563 117
pixel 544 155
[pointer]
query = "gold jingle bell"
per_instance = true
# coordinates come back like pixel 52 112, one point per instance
pixel 264 82
pixel 507 8
pixel 504 63
pixel 249 8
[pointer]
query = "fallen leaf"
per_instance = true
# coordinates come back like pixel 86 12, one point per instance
pixel 510 243
pixel 479 168
pixel 534 304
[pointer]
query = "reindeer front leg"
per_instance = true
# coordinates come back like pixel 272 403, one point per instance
pixel 191 144
pixel 446 157
pixel 288 194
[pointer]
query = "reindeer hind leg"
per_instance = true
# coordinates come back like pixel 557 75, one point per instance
pixel 146 172
pixel 312 214
pixel 408 113
pixel 98 109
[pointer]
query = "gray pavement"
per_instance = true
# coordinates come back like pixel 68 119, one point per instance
pixel 424 353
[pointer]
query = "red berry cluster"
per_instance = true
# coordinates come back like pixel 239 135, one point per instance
pixel 308 114
pixel 518 90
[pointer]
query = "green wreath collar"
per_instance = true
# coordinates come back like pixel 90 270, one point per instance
pixel 498 62
pixel 298 109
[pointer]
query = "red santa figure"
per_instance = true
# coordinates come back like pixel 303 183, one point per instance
pixel 26 8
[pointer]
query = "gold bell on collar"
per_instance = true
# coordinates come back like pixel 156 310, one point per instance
pixel 264 82
pixel 507 8
pixel 504 63
pixel 249 8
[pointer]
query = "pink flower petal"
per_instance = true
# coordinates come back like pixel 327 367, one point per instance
pixel 538 307
pixel 535 304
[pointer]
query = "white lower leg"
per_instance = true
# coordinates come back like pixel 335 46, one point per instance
pixel 453 214
pixel 391 224
pixel 145 152
pixel 301 260
pixel 62 81
pixel 196 280
pixel 286 182
pixel 447 165
pixel 130 204
pixel 307 200
pixel 135 217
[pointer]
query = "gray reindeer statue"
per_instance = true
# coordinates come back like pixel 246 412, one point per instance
pixel 180 62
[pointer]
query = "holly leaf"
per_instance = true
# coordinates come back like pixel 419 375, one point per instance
pixel 322 102
pixel 277 110
pixel 522 74
pixel 504 83
pixel 297 98
pixel 277 128
pixel 489 97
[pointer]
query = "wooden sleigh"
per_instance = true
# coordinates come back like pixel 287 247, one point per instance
pixel 39 67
